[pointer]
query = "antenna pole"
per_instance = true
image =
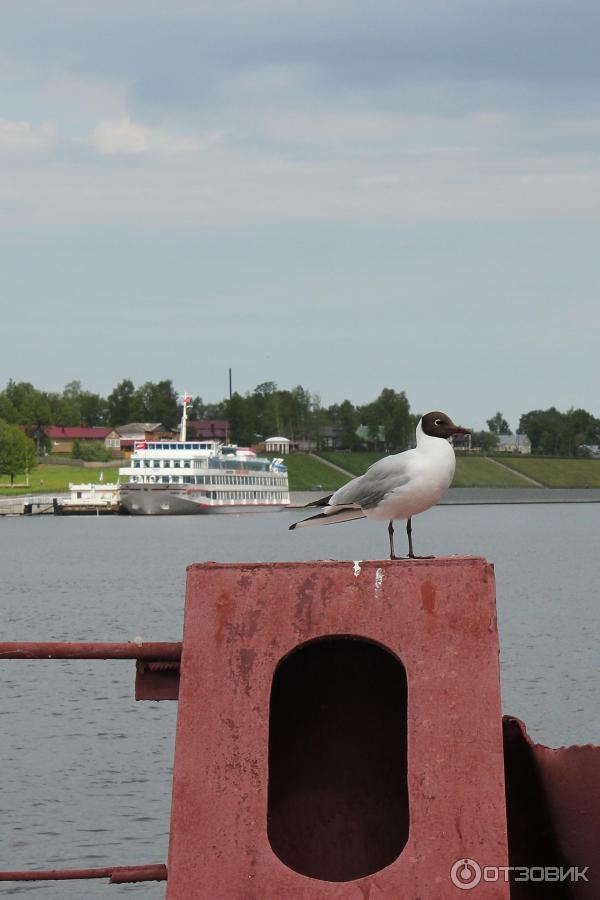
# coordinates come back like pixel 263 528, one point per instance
pixel 183 431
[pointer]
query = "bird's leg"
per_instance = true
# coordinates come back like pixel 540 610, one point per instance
pixel 411 554
pixel 391 534
pixel 409 533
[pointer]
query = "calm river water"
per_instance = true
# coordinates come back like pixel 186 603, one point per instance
pixel 86 772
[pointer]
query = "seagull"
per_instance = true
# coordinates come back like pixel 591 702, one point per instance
pixel 398 486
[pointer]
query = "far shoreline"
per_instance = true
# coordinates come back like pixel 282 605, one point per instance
pixel 482 496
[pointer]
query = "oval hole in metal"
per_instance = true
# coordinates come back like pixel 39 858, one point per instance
pixel 338 791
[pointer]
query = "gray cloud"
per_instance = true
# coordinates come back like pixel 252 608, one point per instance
pixel 343 186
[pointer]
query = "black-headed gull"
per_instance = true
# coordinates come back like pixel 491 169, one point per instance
pixel 398 486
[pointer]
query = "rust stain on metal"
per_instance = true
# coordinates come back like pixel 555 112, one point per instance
pixel 250 623
pixel 303 610
pixel 325 591
pixel 247 658
pixel 224 607
pixel 428 596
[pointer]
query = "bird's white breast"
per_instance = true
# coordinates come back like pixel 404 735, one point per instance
pixel 430 469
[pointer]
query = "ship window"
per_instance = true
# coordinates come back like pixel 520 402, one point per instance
pixel 338 773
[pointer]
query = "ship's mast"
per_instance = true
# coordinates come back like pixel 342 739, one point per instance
pixel 183 429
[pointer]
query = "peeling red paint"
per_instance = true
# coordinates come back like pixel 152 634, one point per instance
pixel 428 596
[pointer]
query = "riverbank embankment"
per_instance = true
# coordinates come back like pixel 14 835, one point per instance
pixel 44 504
pixel 468 496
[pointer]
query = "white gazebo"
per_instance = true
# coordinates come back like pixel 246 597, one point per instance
pixel 277 444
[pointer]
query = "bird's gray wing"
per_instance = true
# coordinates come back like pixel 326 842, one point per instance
pixel 383 477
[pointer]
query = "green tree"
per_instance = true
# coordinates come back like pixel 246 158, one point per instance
pixel 90 451
pixel 196 409
pixel 265 402
pixel 348 423
pixel 242 421
pixel 579 428
pixel 486 441
pixel 94 409
pixel 22 404
pixel 79 407
pixel 120 403
pixel 498 424
pixel 390 412
pixel 17 451
pixel 156 402
pixel 215 410
pixel 553 432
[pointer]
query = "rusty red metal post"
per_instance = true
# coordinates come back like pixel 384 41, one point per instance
pixel 436 621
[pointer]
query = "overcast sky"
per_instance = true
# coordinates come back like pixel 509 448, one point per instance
pixel 336 194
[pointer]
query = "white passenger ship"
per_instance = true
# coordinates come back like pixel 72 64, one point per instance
pixel 175 477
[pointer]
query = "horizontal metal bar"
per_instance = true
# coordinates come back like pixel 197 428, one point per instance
pixel 116 874
pixel 159 665
pixel 129 874
pixel 158 651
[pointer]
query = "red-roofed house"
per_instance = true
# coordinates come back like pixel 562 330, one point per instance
pixel 208 429
pixel 62 436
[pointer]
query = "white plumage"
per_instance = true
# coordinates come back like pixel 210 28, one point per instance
pixel 398 486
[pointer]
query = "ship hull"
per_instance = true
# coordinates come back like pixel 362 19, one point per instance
pixel 159 501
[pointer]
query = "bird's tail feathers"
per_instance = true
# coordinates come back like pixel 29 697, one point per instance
pixel 323 501
pixel 337 514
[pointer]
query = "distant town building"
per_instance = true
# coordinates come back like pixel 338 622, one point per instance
pixel 330 437
pixel 367 440
pixel 513 443
pixel 278 444
pixel 62 437
pixel 304 445
pixel 591 450
pixel 208 429
pixel 462 442
pixel 123 438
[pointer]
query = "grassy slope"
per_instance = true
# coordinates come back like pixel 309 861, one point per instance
pixel 478 471
pixel 305 472
pixel 557 473
pixel 357 463
pixel 470 472
pixel 56 478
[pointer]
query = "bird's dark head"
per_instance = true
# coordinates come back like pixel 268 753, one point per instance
pixel 438 424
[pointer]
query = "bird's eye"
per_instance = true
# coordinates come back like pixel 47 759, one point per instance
pixel 438 422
